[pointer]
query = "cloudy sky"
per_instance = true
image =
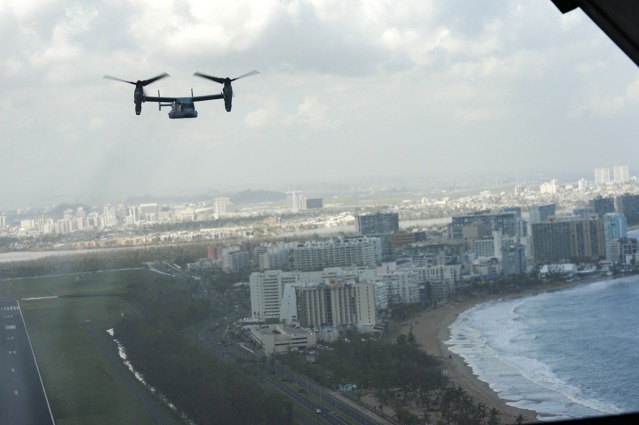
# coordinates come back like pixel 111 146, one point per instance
pixel 414 91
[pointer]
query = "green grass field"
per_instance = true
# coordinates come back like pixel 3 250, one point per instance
pixel 73 351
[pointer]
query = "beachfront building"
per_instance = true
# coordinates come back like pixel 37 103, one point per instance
pixel 267 289
pixel 563 271
pixel 624 251
pixel 275 296
pixel 272 291
pixel 437 292
pixel 615 227
pixel 337 303
pixel 568 239
pixel 486 269
pixel 400 286
pixel 513 260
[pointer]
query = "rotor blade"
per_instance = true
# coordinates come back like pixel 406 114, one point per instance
pixel 109 77
pixel 154 79
pixel 210 77
pixel 248 74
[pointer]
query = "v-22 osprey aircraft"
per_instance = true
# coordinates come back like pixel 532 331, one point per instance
pixel 181 107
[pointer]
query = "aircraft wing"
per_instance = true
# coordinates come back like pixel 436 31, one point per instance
pixel 159 99
pixel 208 97
pixel 616 18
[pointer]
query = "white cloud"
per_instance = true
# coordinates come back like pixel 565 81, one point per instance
pixel 315 115
pixel 609 105
pixel 210 27
pixel 410 76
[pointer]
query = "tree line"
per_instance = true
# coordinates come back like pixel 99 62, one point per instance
pixel 88 261
pixel 207 389
pixel 398 374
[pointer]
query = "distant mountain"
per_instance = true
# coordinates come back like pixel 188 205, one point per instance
pixel 257 196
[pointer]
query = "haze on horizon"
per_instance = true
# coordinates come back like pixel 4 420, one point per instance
pixel 415 90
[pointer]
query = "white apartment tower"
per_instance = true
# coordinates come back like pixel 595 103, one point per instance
pixel 219 205
pixel 275 297
pixel 620 174
pixel 551 187
pixel 267 290
pixel 294 200
pixel 602 175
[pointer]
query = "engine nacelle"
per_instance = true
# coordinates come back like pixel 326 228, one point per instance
pixel 138 98
pixel 227 91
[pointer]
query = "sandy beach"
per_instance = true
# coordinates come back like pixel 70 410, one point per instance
pixel 431 330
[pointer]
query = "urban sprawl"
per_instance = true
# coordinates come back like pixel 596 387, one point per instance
pixel 321 264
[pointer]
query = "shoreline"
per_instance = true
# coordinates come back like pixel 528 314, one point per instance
pixel 431 331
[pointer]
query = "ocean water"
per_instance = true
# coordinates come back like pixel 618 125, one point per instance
pixel 572 353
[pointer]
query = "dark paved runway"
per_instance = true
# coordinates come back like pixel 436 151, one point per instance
pixel 22 397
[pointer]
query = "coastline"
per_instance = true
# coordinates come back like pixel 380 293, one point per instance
pixel 431 331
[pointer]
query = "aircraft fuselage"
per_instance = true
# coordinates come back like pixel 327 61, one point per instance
pixel 183 108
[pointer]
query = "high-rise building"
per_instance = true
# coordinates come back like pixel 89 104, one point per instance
pixel 378 223
pixel 148 212
pixel 602 175
pixel 628 205
pixel 312 203
pixel 602 206
pixel 359 252
pixel 620 174
pixel 294 200
pixel 513 260
pixel 583 185
pixel 572 239
pixel 220 205
pixel 336 303
pixel 508 222
pixel 541 213
pixel 550 187
pixel 615 227
pixel 274 294
pixel 267 290
pixel 239 261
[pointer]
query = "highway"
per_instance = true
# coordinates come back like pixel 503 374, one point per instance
pixel 23 400
pixel 354 414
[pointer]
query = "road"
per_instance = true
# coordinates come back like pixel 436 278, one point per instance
pixel 355 415
pixel 23 400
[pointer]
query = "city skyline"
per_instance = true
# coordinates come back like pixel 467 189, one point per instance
pixel 413 92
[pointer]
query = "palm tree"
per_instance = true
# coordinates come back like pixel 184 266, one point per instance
pixel 493 418
pixel 520 419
